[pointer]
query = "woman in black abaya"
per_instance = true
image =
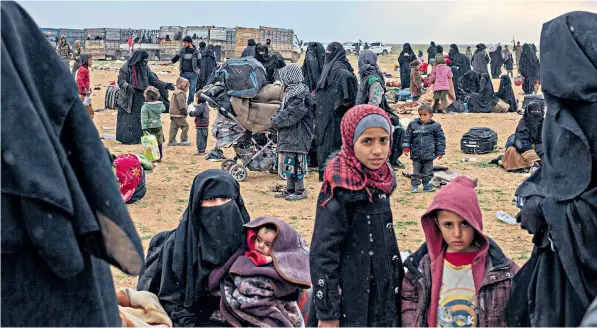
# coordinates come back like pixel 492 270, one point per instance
pixel 313 65
pixel 559 282
pixel 133 78
pixel 63 219
pixel 180 261
pixel 431 52
pixel 335 94
pixel 272 62
pixel 506 93
pixel 207 66
pixel 529 69
pixel 497 61
pixel 406 56
pixel 484 100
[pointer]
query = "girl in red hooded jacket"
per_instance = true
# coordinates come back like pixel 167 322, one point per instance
pixel 459 276
pixel 83 82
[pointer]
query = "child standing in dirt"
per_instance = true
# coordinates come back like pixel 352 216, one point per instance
pixel 151 120
pixel 355 263
pixel 425 141
pixel 416 81
pixel 178 113
pixel 295 125
pixel 201 115
pixel 441 78
pixel 460 277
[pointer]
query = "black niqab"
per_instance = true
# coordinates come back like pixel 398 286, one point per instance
pixel 497 61
pixel 404 59
pixel 313 65
pixel 506 93
pixel 63 217
pixel 207 66
pixel 335 60
pixel 483 101
pixel 460 62
pixel 206 237
pixel 431 51
pixel 271 62
pixel 138 63
pixel 558 283
pixel 528 65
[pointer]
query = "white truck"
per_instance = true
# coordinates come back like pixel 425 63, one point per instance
pixel 380 49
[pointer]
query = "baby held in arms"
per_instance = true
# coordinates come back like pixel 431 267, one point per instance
pixel 259 244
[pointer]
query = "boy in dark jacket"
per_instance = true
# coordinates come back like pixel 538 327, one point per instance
pixel 459 277
pixel 424 139
pixel 295 126
pixel 201 115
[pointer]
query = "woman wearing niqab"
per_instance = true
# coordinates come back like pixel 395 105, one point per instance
pixel 431 52
pixel 180 261
pixel 406 56
pixel 484 100
pixel 313 65
pixel 460 64
pixel 133 78
pixel 506 93
pixel 63 219
pixel 335 94
pixel 558 283
pixel 207 66
pixel 271 62
pixel 497 61
pixel 529 69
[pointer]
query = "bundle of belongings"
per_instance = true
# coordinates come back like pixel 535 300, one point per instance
pixel 405 107
pixel 260 286
pixel 442 175
pixel 130 174
pixel 141 309
pixel 427 97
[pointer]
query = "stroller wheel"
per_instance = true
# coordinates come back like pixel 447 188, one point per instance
pixel 227 164
pixel 238 172
pixel 273 169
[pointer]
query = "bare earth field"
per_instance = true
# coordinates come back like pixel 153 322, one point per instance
pixel 169 183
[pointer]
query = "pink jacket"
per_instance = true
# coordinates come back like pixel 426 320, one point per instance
pixel 440 75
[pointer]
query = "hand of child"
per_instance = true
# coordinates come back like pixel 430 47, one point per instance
pixel 329 323
pixel 440 156
pixel 268 259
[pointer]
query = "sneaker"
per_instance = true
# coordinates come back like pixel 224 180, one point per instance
pixel 399 164
pixel 184 143
pixel 216 155
pixel 283 194
pixel 428 188
pixel 172 144
pixel 414 189
pixel 200 153
pixel 297 196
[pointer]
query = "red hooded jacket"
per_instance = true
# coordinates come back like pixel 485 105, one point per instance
pixel 492 271
pixel 83 80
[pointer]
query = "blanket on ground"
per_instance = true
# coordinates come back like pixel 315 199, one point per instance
pixel 513 160
pixel 141 309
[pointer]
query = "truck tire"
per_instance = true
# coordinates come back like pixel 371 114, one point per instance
pixel 385 53
pixel 348 52
pixel 117 54
pixel 295 57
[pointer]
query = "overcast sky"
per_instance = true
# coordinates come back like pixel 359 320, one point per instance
pixel 387 21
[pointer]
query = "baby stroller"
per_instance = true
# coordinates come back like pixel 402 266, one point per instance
pixel 253 151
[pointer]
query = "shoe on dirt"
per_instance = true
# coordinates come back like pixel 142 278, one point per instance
pixel 428 188
pixel 414 189
pixel 297 196
pixel 184 143
pixel 399 164
pixel 284 193
pixel 216 155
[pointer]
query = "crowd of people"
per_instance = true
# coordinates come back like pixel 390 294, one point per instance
pixel 63 226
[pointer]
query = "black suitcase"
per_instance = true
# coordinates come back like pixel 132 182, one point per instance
pixel 479 141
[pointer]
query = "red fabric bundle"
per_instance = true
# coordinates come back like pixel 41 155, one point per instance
pixel 129 174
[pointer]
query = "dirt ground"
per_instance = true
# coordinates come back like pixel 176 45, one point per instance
pixel 169 183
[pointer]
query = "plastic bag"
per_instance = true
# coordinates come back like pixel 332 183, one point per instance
pixel 518 80
pixel 150 147
pixel 87 101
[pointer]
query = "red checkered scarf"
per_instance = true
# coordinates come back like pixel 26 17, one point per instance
pixel 345 170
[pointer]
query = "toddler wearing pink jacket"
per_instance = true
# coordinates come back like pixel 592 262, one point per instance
pixel 441 78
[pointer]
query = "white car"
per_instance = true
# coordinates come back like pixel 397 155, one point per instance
pixel 349 46
pixel 380 49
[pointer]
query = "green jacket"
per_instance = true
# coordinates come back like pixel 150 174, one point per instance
pixel 151 115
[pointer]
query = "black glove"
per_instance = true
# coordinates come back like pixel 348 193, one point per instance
pixel 395 120
pixel 531 216
pixel 170 86
pixel 130 89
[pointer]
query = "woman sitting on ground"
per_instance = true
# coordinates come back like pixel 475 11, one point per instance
pixel 180 261
pixel 527 149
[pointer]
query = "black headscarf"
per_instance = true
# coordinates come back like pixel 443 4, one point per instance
pixel 506 93
pixel 528 131
pixel 440 49
pixel 313 65
pixel 432 50
pixel 63 218
pixel 335 59
pixel 453 51
pixel 481 47
pixel 138 63
pixel 406 48
pixel 528 63
pixel 206 237
pixel 560 278
pixel 251 43
pixel 470 82
pixel 367 67
pixel 460 60
pixel 84 59
pixel 483 101
pixel 271 62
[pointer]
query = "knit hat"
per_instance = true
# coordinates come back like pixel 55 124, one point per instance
pixel 371 121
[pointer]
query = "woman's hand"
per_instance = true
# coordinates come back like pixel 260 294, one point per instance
pixel 330 323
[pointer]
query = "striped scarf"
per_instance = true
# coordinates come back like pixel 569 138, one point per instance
pixel 292 76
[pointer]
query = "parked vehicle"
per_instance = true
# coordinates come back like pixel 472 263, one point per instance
pixel 102 43
pixel 144 39
pixel 282 41
pixel 349 46
pixel 170 41
pixel 380 49
pixel 51 34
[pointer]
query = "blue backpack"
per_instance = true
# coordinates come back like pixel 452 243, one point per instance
pixel 242 77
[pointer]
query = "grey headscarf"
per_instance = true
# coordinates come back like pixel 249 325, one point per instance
pixel 368 65
pixel 292 77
